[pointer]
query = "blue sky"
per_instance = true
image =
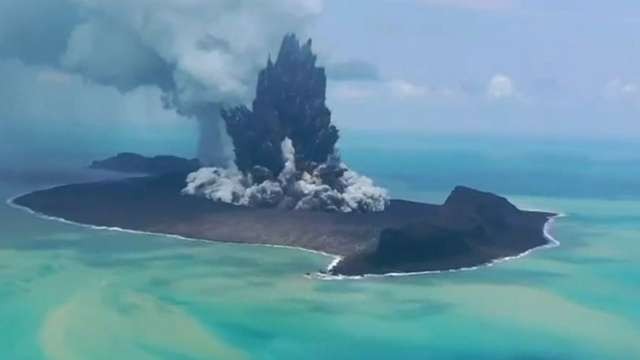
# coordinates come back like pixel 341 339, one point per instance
pixel 484 68
pixel 548 68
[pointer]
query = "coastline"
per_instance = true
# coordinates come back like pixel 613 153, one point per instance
pixel 10 202
pixel 552 243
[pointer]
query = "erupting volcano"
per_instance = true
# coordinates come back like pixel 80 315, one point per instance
pixel 287 164
pixel 285 146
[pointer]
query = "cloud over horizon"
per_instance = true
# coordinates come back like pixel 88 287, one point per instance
pixel 617 89
pixel 501 87
pixel 397 89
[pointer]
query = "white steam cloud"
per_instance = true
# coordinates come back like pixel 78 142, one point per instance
pixel 200 53
pixel 292 189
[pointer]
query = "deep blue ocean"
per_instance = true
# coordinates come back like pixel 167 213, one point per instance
pixel 69 292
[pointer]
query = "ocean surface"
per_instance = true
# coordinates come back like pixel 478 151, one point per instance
pixel 69 292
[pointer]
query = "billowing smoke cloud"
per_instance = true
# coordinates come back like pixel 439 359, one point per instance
pixel 292 189
pixel 285 145
pixel 200 53
pixel 203 55
pixel 290 102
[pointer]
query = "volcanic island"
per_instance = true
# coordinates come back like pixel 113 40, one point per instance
pixel 288 187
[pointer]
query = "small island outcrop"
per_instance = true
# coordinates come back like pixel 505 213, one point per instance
pixel 139 164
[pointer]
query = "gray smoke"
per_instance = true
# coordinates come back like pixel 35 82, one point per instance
pixel 200 53
pixel 292 189
pixel 285 145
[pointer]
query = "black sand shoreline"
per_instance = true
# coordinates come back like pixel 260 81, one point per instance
pixel 153 205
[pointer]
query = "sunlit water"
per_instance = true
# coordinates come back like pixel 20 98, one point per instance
pixel 69 292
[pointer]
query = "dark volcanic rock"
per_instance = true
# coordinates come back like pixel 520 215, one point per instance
pixel 154 204
pixel 466 209
pixel 470 229
pixel 290 102
pixel 135 163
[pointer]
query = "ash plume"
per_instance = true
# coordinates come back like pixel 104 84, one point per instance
pixel 289 103
pixel 200 53
pixel 285 145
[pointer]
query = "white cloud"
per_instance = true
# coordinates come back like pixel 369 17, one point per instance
pixel 304 7
pixel 400 90
pixel 405 89
pixel 128 44
pixel 501 87
pixel 621 90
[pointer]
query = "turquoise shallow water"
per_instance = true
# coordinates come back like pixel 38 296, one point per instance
pixel 69 292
